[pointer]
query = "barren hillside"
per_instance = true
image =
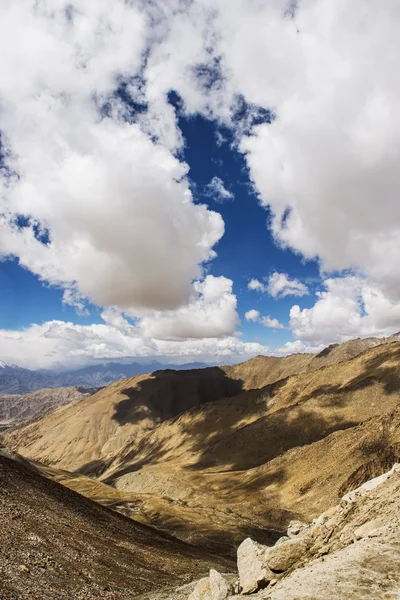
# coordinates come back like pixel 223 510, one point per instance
pixel 56 544
pixel 17 410
pixel 231 464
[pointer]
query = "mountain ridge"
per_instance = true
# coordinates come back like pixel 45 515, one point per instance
pixel 203 455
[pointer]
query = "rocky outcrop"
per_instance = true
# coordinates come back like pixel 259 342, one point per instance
pixel 357 539
pixel 214 587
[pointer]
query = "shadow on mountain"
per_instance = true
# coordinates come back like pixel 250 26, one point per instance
pixel 168 393
pixel 269 437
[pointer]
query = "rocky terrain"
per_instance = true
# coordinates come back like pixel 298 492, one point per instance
pixel 211 459
pixel 350 551
pixel 55 544
pixel 17 410
pixel 234 462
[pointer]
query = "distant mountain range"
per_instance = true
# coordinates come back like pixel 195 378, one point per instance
pixel 16 380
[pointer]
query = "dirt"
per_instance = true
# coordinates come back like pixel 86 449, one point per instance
pixel 56 544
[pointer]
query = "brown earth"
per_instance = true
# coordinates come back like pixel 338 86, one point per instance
pixel 189 454
pixel 56 544
pixel 123 412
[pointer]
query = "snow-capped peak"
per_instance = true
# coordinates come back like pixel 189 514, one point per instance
pixel 4 364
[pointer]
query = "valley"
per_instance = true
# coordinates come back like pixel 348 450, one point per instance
pixel 213 456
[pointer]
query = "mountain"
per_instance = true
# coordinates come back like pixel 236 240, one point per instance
pixel 17 410
pixel 57 544
pixel 217 454
pixel 16 380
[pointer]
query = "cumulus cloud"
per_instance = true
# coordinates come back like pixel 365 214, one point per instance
pixel 217 190
pixel 256 317
pixel 297 347
pixel 271 323
pixel 256 285
pixel 95 198
pixel 279 285
pixel 252 315
pixel 211 313
pixel 348 307
pixel 100 204
pixel 60 345
pixel 327 164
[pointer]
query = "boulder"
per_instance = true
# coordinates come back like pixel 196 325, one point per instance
pixel 220 589
pixel 254 573
pixel 202 590
pixel 214 587
pixel 283 557
pixel 281 540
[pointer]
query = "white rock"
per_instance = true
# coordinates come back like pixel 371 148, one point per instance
pixel 283 557
pixel 220 589
pixel 253 569
pixel 202 590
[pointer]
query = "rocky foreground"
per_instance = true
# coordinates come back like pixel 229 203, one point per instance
pixel 56 545
pixel 352 552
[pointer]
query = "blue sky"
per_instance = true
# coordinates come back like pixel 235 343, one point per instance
pixel 157 158
pixel 246 251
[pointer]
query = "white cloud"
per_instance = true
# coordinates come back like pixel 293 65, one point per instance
pixel 60 345
pixel 298 347
pixel 211 313
pixel 349 307
pixel 216 190
pixel 271 323
pixel 256 285
pixel 252 315
pixel 327 166
pixel 112 196
pixel 72 297
pixel 280 285
pixel 255 316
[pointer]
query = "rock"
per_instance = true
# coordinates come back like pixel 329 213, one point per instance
pixel 202 590
pixel 369 529
pixel 23 568
pixel 214 587
pixel 296 527
pixel 220 589
pixel 253 569
pixel 281 540
pixel 281 558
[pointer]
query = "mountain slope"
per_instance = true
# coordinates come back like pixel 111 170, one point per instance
pixel 190 455
pixel 83 435
pixel 17 410
pixel 78 549
pixel 121 414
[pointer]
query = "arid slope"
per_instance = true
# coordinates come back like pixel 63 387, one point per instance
pixel 56 544
pixel 190 455
pixel 17 410
pixel 87 436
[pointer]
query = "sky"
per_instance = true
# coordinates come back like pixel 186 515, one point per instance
pixel 196 180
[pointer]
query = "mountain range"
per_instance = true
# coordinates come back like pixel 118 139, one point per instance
pixel 211 457
pixel 17 380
